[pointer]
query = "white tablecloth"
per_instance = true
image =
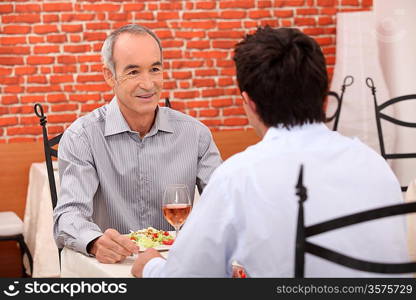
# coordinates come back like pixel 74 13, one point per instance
pixel 75 264
pixel 38 223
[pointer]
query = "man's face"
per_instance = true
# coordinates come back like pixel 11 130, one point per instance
pixel 139 75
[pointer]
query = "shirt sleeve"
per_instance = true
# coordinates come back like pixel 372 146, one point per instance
pixel 73 225
pixel 208 158
pixel 198 252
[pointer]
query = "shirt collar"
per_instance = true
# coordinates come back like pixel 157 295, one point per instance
pixel 280 131
pixel 115 122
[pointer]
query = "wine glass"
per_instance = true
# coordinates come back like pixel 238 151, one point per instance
pixel 176 205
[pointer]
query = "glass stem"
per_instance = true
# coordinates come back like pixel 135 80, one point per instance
pixel 177 231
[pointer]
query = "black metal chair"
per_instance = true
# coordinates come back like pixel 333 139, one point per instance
pixel 167 102
pixel 348 80
pixel 379 115
pixel 49 151
pixel 11 229
pixel 304 246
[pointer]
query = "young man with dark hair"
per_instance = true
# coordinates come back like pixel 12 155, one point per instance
pixel 248 212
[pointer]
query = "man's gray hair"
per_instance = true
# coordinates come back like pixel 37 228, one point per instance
pixel 108 46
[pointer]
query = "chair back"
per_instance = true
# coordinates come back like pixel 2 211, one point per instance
pixel 348 80
pixel 49 151
pixel 167 102
pixel 380 115
pixel 304 246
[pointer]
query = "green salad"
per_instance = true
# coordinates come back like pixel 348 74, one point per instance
pixel 151 237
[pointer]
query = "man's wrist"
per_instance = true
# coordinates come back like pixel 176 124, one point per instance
pixel 91 247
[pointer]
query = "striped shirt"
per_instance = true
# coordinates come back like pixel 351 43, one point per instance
pixel 111 178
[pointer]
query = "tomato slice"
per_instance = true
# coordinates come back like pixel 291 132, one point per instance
pixel 168 242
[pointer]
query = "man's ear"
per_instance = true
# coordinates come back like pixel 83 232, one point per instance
pixel 109 77
pixel 249 102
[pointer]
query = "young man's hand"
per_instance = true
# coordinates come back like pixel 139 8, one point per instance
pixel 142 260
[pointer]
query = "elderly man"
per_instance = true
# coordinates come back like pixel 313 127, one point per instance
pixel 116 161
pixel 248 211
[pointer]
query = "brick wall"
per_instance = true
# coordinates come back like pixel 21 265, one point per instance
pixel 50 53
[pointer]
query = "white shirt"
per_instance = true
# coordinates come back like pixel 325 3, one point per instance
pixel 248 211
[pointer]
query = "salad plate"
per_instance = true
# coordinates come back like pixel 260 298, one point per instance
pixel 159 240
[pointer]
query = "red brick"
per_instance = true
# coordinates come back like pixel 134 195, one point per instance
pixel 56 98
pixel 324 41
pixel 93 88
pixel 305 21
pixel 144 16
pixel 27 8
pixel 172 44
pixel 94 36
pixel 226 81
pixel 168 15
pixel 177 64
pixel 226 34
pixel 37 60
pixel 13 40
pixel 264 4
pixel 72 28
pixel 62 78
pixel 21 18
pixel 190 34
pixel 206 5
pixel 66 59
pixel 212 92
pixel 84 97
pixel 64 107
pixel 33 130
pixel 46 49
pixel 13 89
pixel 6 8
pixel 210 54
pixel 11 60
pixel 328 11
pixel 211 122
pixel 14 50
pixel 4 110
pixel 16 29
pixel 229 25
pixel 90 107
pixel 326 2
pixel 222 102
pixel 5 71
pixel 313 31
pixel 208 113
pixel 36 39
pixel 203 83
pixel 258 14
pixel 90 78
pixel 307 11
pixel 43 89
pixel 234 111
pixel 280 3
pixel 58 7
pixel 235 121
pixel 58 38
pixel 197 44
pixel 62 118
pixel 101 7
pixel 222 44
pixel 41 29
pixel 283 13
pixel 206 72
pixel 50 18
pixel 182 75
pixel 11 80
pixel 326 21
pixel 172 54
pixel 9 100
pixel 133 6
pixel 237 4
pixel 8 121
pixel 209 24
pixel 37 79
pixel 199 15
pixel 195 104
pixel 367 3
pixel 77 48
pixel 89 58
pixel 172 5
pixel 186 95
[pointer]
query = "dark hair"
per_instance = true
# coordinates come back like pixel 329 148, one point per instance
pixel 284 73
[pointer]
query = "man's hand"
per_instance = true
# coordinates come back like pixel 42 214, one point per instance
pixel 113 247
pixel 142 260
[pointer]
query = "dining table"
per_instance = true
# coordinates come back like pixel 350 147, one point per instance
pixel 38 222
